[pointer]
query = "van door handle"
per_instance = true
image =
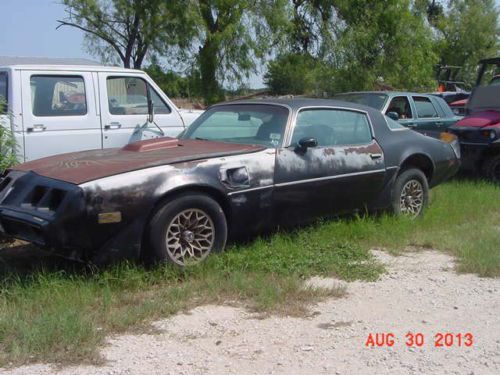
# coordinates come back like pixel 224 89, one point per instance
pixel 375 156
pixel 37 128
pixel 113 125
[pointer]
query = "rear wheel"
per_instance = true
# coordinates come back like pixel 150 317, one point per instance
pixel 491 169
pixel 410 194
pixel 187 229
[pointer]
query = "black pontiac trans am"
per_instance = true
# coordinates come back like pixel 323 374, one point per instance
pixel 240 168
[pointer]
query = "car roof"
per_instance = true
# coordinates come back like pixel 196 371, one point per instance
pixel 390 93
pixel 298 103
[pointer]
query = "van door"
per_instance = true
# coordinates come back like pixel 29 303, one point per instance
pixel 124 110
pixel 59 113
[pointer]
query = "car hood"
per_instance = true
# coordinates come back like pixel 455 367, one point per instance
pixel 80 167
pixel 479 119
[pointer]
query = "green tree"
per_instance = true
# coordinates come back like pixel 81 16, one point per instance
pixel 292 73
pixel 311 26
pixel 469 32
pixel 307 36
pixel 232 36
pixel 385 42
pixel 127 29
pixel 173 84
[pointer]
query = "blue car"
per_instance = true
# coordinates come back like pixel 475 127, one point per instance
pixel 421 112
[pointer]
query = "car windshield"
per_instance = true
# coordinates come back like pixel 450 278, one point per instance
pixel 374 100
pixel 260 124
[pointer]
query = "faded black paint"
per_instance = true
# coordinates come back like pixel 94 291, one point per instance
pixel 284 188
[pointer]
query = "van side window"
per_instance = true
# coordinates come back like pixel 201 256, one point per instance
pixel 3 93
pixel 129 96
pixel 58 95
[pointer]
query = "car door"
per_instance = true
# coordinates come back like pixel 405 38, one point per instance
pixel 59 113
pixel 428 115
pixel 124 110
pixel 344 171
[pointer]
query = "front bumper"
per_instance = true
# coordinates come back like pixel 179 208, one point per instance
pixel 474 146
pixel 43 211
pixel 472 155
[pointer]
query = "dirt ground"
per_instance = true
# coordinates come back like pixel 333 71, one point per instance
pixel 420 293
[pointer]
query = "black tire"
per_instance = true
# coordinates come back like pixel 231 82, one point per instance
pixel 171 215
pixel 491 169
pixel 406 179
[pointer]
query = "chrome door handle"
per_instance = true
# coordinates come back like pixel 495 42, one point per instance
pixel 37 128
pixel 113 125
pixel 439 123
pixel 410 125
pixel 375 156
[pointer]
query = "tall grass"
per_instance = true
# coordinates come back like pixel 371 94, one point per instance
pixel 63 316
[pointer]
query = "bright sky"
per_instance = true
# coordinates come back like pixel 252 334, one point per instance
pixel 28 28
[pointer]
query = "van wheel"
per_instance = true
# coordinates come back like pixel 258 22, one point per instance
pixel 491 169
pixel 410 194
pixel 186 230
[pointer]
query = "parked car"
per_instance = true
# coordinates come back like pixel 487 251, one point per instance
pixel 240 168
pixel 458 107
pixel 53 109
pixel 479 131
pixel 427 114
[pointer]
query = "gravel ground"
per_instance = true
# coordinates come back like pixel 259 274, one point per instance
pixel 420 293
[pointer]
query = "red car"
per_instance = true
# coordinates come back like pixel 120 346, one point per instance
pixel 479 131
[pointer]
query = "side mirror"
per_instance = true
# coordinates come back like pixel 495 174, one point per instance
pixel 304 143
pixel 393 115
pixel 151 111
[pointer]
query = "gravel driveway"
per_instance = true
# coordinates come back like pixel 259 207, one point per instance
pixel 420 293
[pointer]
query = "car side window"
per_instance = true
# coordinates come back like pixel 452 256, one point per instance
pixel 58 95
pixel 425 108
pixel 332 127
pixel 129 96
pixel 400 105
pixel 3 93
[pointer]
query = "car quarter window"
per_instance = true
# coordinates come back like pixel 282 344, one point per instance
pixel 332 127
pixel 425 108
pixel 129 96
pixel 400 105
pixel 394 125
pixel 53 95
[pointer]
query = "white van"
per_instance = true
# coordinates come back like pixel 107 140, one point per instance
pixel 53 109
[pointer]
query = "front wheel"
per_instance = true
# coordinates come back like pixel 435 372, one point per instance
pixel 410 193
pixel 187 229
pixel 491 169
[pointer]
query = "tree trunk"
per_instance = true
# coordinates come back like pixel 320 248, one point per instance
pixel 208 68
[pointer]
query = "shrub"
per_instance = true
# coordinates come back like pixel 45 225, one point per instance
pixel 7 144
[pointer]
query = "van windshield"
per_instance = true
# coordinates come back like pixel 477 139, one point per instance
pixel 3 92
